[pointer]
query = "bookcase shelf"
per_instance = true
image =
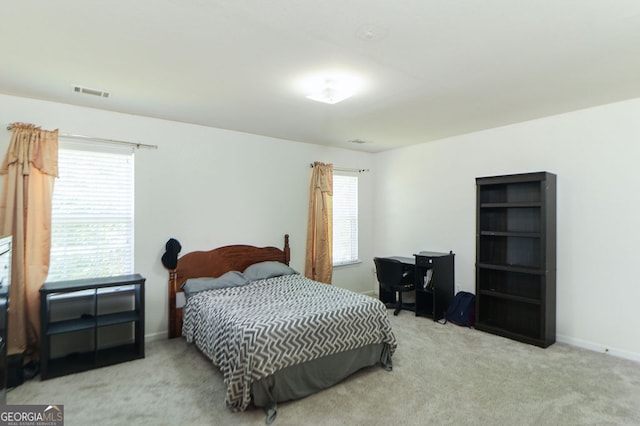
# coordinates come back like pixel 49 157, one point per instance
pixel 87 326
pixel 516 256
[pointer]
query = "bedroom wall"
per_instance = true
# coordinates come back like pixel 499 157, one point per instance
pixel 425 200
pixel 207 187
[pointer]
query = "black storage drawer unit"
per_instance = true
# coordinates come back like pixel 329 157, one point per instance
pixel 434 282
pixel 91 316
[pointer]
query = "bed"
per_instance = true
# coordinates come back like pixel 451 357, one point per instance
pixel 275 334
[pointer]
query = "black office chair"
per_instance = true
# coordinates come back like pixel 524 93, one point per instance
pixel 394 277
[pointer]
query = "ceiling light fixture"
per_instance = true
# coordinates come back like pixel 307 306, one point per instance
pixel 331 93
pixel 330 87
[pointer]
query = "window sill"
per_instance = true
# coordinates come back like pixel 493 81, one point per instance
pixel 351 263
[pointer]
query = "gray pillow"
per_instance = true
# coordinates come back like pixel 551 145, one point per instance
pixel 268 269
pixel 229 279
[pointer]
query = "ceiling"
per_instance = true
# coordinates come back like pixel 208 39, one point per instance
pixel 431 68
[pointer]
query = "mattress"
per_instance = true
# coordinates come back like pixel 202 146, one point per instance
pixel 253 331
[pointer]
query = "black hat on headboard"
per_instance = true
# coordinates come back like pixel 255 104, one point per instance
pixel 170 258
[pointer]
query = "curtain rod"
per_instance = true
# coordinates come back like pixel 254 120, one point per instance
pixel 94 139
pixel 346 169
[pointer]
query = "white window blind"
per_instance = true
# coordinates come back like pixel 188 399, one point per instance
pixel 345 219
pixel 92 213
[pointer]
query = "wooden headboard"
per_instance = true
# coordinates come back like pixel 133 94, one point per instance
pixel 214 263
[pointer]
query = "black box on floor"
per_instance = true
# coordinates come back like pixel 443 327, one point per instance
pixel 15 375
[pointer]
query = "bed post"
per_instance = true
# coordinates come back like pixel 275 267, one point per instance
pixel 173 332
pixel 287 250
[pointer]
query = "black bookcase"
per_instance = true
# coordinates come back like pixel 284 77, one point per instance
pixel 96 316
pixel 434 282
pixel 516 257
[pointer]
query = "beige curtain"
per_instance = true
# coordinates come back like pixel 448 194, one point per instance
pixel 28 172
pixel 319 260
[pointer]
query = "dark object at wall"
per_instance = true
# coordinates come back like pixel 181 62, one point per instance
pixel 170 258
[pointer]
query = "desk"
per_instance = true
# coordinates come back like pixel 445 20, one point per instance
pixel 432 297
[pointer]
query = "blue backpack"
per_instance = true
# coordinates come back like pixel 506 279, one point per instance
pixel 462 310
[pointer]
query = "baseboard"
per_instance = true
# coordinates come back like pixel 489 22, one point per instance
pixel 598 348
pixel 156 336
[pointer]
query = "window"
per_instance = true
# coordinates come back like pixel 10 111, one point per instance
pixel 345 219
pixel 92 213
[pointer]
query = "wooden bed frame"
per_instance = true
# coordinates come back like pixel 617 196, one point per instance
pixel 214 263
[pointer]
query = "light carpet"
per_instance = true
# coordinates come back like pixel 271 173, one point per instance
pixel 442 375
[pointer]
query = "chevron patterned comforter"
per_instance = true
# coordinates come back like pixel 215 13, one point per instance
pixel 253 331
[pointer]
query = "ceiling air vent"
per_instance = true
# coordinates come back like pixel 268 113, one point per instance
pixel 92 92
